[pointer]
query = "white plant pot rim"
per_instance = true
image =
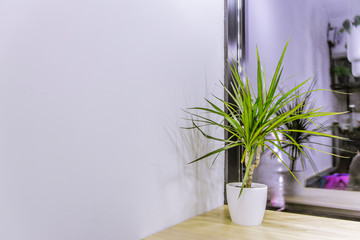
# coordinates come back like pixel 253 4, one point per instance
pixel 254 186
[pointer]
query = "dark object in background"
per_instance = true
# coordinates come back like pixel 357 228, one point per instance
pixel 354 174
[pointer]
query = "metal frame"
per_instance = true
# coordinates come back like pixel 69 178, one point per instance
pixel 235 52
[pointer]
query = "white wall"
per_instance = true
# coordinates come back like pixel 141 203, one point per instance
pixel 90 108
pixel 270 24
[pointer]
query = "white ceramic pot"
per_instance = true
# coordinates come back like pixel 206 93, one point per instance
pixel 249 209
pixel 353 50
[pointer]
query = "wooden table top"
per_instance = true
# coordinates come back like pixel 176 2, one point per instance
pixel 216 224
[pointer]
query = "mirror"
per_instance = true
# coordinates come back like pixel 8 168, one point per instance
pixel 318 49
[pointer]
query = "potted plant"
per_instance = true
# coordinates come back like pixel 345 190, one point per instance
pixel 347 24
pixel 342 73
pixel 353 44
pixel 302 152
pixel 249 120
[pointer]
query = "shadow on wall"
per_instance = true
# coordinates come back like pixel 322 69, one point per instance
pixel 203 180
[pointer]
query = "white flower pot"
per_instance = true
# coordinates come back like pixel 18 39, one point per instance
pixel 353 50
pixel 249 209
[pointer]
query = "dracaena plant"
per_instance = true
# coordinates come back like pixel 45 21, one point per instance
pixel 303 151
pixel 249 117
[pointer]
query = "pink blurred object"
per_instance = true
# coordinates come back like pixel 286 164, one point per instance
pixel 337 181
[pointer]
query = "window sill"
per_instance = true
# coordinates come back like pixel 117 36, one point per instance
pixel 324 202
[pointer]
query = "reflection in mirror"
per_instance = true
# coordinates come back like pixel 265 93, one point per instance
pixel 344 18
pixel 318 48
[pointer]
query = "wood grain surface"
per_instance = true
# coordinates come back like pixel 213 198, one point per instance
pixel 216 224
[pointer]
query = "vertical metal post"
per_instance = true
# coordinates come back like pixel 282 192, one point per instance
pixel 234 54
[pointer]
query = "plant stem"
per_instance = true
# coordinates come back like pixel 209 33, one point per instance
pixel 258 153
pixel 249 178
pixel 292 159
